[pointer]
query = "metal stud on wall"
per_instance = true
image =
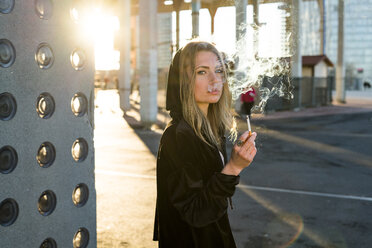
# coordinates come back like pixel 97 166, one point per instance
pixel 47 196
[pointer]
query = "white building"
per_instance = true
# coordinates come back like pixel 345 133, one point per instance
pixel 357 31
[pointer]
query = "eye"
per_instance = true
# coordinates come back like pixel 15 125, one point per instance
pixel 219 70
pixel 201 72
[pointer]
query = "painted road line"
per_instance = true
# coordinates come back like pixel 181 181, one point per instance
pixel 349 197
pixel 291 191
pixel 338 152
pixel 124 174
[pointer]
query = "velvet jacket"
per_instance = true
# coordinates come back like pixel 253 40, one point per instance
pixel 192 193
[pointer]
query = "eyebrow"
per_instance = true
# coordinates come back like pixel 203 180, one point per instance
pixel 202 66
pixel 207 67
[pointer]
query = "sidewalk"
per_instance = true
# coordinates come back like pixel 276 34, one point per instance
pixel 351 106
pixel 125 179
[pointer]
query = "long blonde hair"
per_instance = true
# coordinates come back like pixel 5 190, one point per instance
pixel 220 116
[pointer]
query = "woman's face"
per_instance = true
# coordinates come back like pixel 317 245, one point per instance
pixel 209 79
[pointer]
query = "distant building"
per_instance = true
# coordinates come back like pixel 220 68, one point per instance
pixel 357 40
pixel 315 66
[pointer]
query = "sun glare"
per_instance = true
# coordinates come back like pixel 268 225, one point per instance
pixel 224 29
pixel 101 27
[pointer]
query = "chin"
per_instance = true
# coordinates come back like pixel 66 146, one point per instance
pixel 214 99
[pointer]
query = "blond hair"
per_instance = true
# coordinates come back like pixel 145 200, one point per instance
pixel 220 116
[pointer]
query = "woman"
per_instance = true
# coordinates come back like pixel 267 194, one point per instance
pixel 247 100
pixel 194 178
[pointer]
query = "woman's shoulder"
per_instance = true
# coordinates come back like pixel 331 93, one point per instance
pixel 178 129
pixel 184 127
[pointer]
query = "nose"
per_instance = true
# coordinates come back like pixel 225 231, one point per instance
pixel 213 78
pixel 215 82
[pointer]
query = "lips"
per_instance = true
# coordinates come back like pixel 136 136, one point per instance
pixel 214 92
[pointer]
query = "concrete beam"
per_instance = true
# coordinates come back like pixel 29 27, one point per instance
pixel 204 4
pixel 212 8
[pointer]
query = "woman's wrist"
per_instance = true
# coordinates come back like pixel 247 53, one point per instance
pixel 231 169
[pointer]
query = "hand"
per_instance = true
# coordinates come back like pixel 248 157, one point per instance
pixel 241 156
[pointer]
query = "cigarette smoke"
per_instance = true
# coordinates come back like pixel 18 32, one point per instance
pixel 270 75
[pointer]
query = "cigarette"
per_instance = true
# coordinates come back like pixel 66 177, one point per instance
pixel 249 126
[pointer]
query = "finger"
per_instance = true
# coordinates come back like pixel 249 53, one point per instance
pixel 244 136
pixel 239 143
pixel 243 139
pixel 252 151
pixel 246 151
pixel 253 136
pixel 252 155
pixel 250 142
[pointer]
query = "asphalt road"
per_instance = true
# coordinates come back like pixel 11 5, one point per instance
pixel 309 186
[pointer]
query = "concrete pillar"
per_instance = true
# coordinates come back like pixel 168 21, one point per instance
pixel 256 26
pixel 296 59
pixel 177 30
pixel 340 69
pixel 241 17
pixel 296 68
pixel 322 26
pixel 125 43
pixel 148 67
pixel 241 23
pixel 177 8
pixel 195 6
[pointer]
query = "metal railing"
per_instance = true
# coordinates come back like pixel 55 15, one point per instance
pixel 306 91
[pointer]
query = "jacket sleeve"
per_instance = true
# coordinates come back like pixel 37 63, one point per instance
pixel 199 202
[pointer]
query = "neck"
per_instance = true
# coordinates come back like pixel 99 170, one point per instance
pixel 204 108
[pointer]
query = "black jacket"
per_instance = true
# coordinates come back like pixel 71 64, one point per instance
pixel 192 193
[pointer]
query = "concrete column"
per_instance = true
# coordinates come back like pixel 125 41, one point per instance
pixel 195 5
pixel 177 8
pixel 241 17
pixel 148 78
pixel 340 69
pixel 322 26
pixel 296 59
pixel 240 27
pixel 256 26
pixel 125 43
pixel 177 30
pixel 296 39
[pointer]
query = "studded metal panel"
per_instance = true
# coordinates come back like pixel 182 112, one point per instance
pixel 47 190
